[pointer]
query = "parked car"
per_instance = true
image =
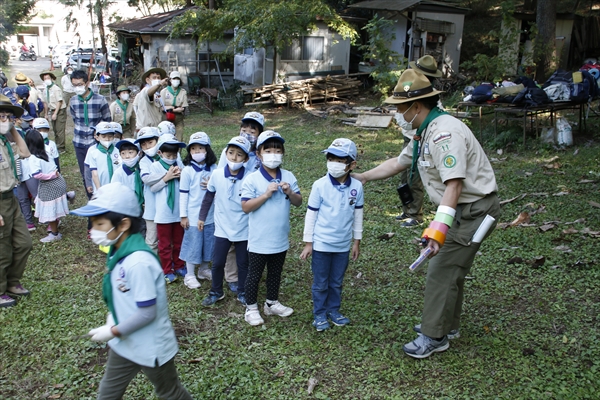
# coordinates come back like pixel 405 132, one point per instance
pixel 59 53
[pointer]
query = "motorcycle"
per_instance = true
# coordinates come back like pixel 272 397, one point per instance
pixel 28 55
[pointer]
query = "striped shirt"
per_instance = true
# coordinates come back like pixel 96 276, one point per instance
pixel 98 111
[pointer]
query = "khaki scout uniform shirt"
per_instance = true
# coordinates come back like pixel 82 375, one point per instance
pixel 116 113
pixel 450 151
pixel 180 101
pixel 51 96
pixel 7 175
pixel 147 112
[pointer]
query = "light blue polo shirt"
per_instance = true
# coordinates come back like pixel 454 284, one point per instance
pixel 231 222
pixel 191 178
pixel 335 204
pixel 97 161
pixel 138 281
pixel 149 197
pixel 163 214
pixel 270 223
pixel 253 163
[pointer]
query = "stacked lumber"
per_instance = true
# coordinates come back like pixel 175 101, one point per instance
pixel 337 87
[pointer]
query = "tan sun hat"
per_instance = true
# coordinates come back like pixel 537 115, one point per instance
pixel 5 104
pixel 47 73
pixel 160 71
pixel 412 85
pixel 21 78
pixel 427 66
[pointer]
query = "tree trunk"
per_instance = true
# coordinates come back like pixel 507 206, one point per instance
pixel 545 42
pixel 100 16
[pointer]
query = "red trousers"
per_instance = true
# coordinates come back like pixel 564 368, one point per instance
pixel 170 237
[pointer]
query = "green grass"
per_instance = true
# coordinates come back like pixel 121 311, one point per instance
pixel 528 332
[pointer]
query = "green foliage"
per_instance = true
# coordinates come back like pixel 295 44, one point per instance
pixel 387 61
pixel 13 13
pixel 146 6
pixel 4 57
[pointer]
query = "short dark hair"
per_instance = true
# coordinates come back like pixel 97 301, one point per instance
pixel 252 124
pixel 169 148
pixel 430 102
pixel 348 159
pixel 79 74
pixel 272 144
pixel 116 218
pixel 128 146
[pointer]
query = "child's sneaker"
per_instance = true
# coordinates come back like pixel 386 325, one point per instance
pixel 170 278
pixel 31 227
pixel 337 318
pixel 205 273
pixel 242 298
pixel 51 238
pixel 212 298
pixel 233 286
pixel 191 282
pixel 321 323
pixel 276 308
pixel 252 315
pixel 181 271
pixel 71 196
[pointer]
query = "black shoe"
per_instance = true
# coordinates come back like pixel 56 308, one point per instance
pixel 401 217
pixel 410 222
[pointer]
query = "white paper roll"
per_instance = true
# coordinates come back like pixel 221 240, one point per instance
pixel 483 229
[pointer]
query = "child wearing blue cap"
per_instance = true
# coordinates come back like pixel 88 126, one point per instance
pixel 138 328
pixel 166 217
pixel 129 171
pixel 266 196
pixel 147 138
pixel 231 223
pixel 103 159
pixel 336 200
pixel 197 246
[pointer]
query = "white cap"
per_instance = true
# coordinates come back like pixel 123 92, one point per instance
pixel 117 127
pixel 199 138
pixel 104 127
pixel 169 139
pixel 256 117
pixel 128 140
pixel 342 147
pixel 240 142
pixel 266 135
pixel 166 127
pixel 175 74
pixel 147 132
pixel 40 123
pixel 113 197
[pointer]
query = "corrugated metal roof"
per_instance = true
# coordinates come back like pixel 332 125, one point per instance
pixel 401 5
pixel 156 23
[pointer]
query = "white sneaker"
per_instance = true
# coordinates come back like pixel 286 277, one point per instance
pixel 71 196
pixel 205 274
pixel 191 282
pixel 51 238
pixel 278 309
pixel 252 315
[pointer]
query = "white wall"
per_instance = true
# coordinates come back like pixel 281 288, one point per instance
pixel 453 42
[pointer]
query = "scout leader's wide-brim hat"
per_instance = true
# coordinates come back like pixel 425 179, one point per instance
pixel 160 71
pixel 427 66
pixel 5 104
pixel 123 88
pixel 412 85
pixel 21 78
pixel 47 73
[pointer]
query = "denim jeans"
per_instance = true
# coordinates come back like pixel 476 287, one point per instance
pixel 328 275
pixel 221 248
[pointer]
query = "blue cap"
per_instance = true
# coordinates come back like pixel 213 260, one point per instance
pixel 147 132
pixel 26 117
pixel 117 128
pixel 115 197
pixel 22 91
pixel 104 127
pixel 199 138
pixel 256 117
pixel 342 147
pixel 266 135
pixel 128 140
pixel 169 139
pixel 240 142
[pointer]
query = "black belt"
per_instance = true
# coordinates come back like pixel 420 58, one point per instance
pixel 6 195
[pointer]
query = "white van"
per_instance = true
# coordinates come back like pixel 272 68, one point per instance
pixel 58 53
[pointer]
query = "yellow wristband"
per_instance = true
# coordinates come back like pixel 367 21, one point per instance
pixel 434 234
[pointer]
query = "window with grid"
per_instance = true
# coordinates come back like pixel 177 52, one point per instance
pixel 308 48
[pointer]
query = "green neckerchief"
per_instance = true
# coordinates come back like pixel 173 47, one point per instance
pixel 156 157
pixel 124 108
pixel 48 93
pixel 10 154
pixel 175 94
pixel 433 114
pixel 108 153
pixel 46 141
pixel 170 187
pixel 85 106
pixel 133 243
pixel 139 185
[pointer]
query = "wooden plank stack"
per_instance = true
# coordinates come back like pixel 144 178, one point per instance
pixel 307 91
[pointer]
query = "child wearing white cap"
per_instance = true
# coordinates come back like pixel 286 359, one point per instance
pixel 266 196
pixel 334 216
pixel 175 99
pixel 43 127
pixel 129 172
pixel 166 127
pixel 231 223
pixel 166 217
pixel 138 328
pixel 197 246
pixel 103 158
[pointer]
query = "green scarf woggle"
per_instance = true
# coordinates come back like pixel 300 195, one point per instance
pixel 10 154
pixel 108 153
pixel 85 106
pixel 133 243
pixel 170 187
pixel 433 114
pixel 175 94
pixel 124 108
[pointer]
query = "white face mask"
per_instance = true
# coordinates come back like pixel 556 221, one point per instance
pixel 272 160
pixel 115 141
pixel 124 96
pixel 199 157
pixel 44 134
pixel 152 151
pixel 175 83
pixel 404 124
pixel 69 72
pixel 106 143
pixel 48 82
pixel 4 127
pixel 336 169
pixel 79 90
pixel 155 82
pixel 168 160
pixel 234 166
pixel 132 161
pixel 100 237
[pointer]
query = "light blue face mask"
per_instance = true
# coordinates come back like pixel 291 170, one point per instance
pixel 168 161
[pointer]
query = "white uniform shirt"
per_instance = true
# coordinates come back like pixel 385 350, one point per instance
pixel 96 160
pixel 163 213
pixel 253 163
pixel 149 196
pixel 191 178
pixel 67 86
pixel 125 176
pixel 270 223
pixel 335 204
pixel 37 165
pixel 138 281
pixel 231 222
pixel 51 149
